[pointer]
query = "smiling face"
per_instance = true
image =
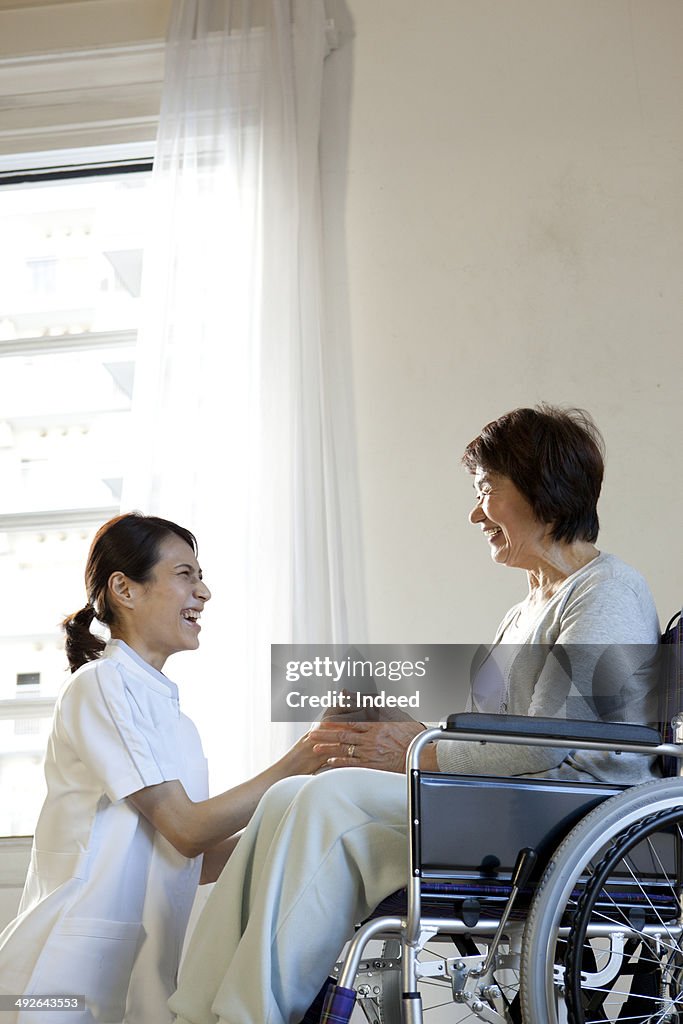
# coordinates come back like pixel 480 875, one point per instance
pixel 516 538
pixel 159 617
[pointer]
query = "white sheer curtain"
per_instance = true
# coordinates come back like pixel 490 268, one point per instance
pixel 244 425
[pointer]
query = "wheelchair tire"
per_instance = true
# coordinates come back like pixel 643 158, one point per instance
pixel 547 968
pixel 651 967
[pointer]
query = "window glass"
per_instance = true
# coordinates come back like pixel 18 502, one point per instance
pixel 70 273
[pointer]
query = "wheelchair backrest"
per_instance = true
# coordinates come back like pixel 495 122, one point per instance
pixel 671 692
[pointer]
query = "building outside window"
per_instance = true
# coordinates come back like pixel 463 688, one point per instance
pixel 70 271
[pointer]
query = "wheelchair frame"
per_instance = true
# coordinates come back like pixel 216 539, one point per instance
pixel 471 974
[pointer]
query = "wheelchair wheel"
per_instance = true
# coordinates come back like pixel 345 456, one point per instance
pixel 381 1001
pixel 602 942
pixel 637 888
pixel 386 1006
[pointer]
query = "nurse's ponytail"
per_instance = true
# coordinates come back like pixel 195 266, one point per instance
pixel 129 544
pixel 81 645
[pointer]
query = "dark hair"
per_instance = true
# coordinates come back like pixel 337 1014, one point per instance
pixel 130 544
pixel 555 457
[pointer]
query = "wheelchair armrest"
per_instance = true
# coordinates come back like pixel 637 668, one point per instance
pixel 553 728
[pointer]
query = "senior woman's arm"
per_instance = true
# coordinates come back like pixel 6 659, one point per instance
pixel 598 662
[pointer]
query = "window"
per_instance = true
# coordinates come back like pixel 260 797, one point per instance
pixel 70 273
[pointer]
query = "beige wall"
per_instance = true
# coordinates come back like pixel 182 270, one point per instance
pixel 15 855
pixel 512 230
pixel 514 233
pixel 39 26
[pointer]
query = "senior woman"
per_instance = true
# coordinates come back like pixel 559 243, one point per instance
pixel 320 853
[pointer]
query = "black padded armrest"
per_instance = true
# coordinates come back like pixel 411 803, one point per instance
pixel 554 728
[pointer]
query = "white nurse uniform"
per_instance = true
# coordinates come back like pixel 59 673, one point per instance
pixel 107 897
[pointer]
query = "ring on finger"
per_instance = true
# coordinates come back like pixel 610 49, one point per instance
pixel 351 749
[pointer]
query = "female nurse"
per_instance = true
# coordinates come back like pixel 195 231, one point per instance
pixel 127 829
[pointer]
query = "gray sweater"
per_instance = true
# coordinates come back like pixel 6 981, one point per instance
pixel 589 653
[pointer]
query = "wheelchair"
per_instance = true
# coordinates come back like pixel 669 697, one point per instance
pixel 562 904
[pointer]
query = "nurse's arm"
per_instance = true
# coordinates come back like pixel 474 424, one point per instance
pixel 194 828
pixel 215 859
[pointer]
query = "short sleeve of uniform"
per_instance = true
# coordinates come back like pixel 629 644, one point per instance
pixel 122 734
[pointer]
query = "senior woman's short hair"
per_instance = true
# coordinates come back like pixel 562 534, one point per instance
pixel 555 457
